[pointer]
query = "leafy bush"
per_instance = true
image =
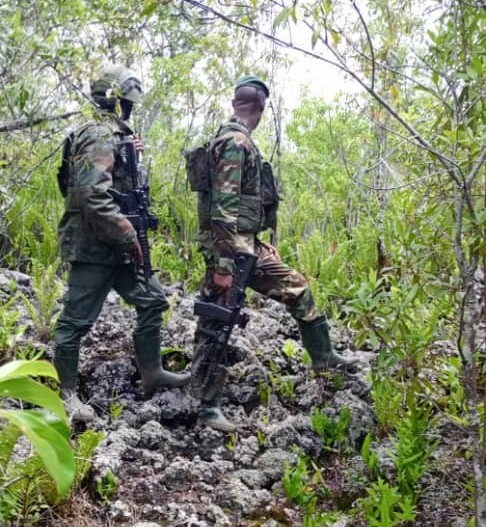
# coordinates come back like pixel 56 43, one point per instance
pixel 47 289
pixel 385 506
pixel 9 327
pixel 332 431
pixel 304 484
pixel 47 428
pixel 32 484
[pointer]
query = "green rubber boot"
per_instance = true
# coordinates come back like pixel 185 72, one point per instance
pixel 210 414
pixel 147 354
pixel 66 363
pixel 316 340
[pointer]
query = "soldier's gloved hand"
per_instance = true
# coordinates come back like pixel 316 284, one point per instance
pixel 137 253
pixel 139 146
pixel 223 282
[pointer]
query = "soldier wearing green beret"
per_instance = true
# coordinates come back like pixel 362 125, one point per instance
pixel 242 202
pixel 101 243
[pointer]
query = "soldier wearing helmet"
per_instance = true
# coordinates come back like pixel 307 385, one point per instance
pixel 117 86
pixel 240 203
pixel 101 244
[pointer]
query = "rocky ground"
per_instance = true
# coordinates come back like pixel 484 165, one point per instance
pixel 171 471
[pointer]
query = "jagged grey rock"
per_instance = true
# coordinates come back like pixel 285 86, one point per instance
pixel 173 471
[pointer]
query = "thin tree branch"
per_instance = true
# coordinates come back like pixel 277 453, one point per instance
pixel 370 43
pixel 20 124
pixel 446 161
pixel 475 169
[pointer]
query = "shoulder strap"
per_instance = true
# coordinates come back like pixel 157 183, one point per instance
pixel 64 168
pixel 233 127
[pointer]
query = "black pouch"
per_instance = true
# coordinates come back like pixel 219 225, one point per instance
pixel 198 168
pixel 270 195
pixel 63 171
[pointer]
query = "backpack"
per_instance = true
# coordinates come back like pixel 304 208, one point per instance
pixel 64 167
pixel 198 167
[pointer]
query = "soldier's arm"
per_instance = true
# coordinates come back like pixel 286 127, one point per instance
pixel 94 159
pixel 225 203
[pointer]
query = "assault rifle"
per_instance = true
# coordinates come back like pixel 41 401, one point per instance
pixel 134 203
pixel 228 315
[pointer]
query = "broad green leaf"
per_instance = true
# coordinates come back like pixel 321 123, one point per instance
pixel 293 12
pixel 33 392
pixel 53 448
pixel 58 424
pixel 17 26
pixel 394 92
pixel 433 36
pixel 20 368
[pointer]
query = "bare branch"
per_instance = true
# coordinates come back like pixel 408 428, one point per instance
pixel 475 169
pixel 20 124
pixel 370 43
pixel 422 142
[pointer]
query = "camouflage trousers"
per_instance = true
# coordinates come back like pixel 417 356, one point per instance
pixel 271 278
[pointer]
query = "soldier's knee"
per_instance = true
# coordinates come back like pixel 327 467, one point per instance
pixel 71 329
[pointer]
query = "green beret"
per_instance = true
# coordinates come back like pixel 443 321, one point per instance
pixel 256 82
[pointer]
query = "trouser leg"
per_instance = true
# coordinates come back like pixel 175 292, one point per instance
pixel 88 286
pixel 278 281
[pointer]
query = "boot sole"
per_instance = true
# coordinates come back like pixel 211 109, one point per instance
pixel 220 428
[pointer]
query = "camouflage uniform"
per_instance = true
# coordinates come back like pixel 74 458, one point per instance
pixel 236 216
pixel 95 237
pixel 237 207
pixel 231 215
pixel 92 229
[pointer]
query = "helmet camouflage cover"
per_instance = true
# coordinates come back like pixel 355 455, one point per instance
pixel 117 81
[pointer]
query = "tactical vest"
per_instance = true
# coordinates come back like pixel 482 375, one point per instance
pixel 258 196
pixel 65 176
pixel 78 239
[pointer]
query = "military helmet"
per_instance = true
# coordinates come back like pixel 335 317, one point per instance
pixel 117 82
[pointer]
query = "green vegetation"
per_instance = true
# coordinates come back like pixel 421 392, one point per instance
pixel 32 483
pixel 383 207
pixel 333 432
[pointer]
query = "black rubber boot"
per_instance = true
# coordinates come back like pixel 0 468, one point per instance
pixel 210 413
pixel 316 340
pixel 66 363
pixel 147 354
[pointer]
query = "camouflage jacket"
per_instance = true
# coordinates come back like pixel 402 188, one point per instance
pixel 92 228
pixel 232 213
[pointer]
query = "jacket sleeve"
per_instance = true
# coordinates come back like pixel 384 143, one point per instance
pixel 93 163
pixel 225 202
